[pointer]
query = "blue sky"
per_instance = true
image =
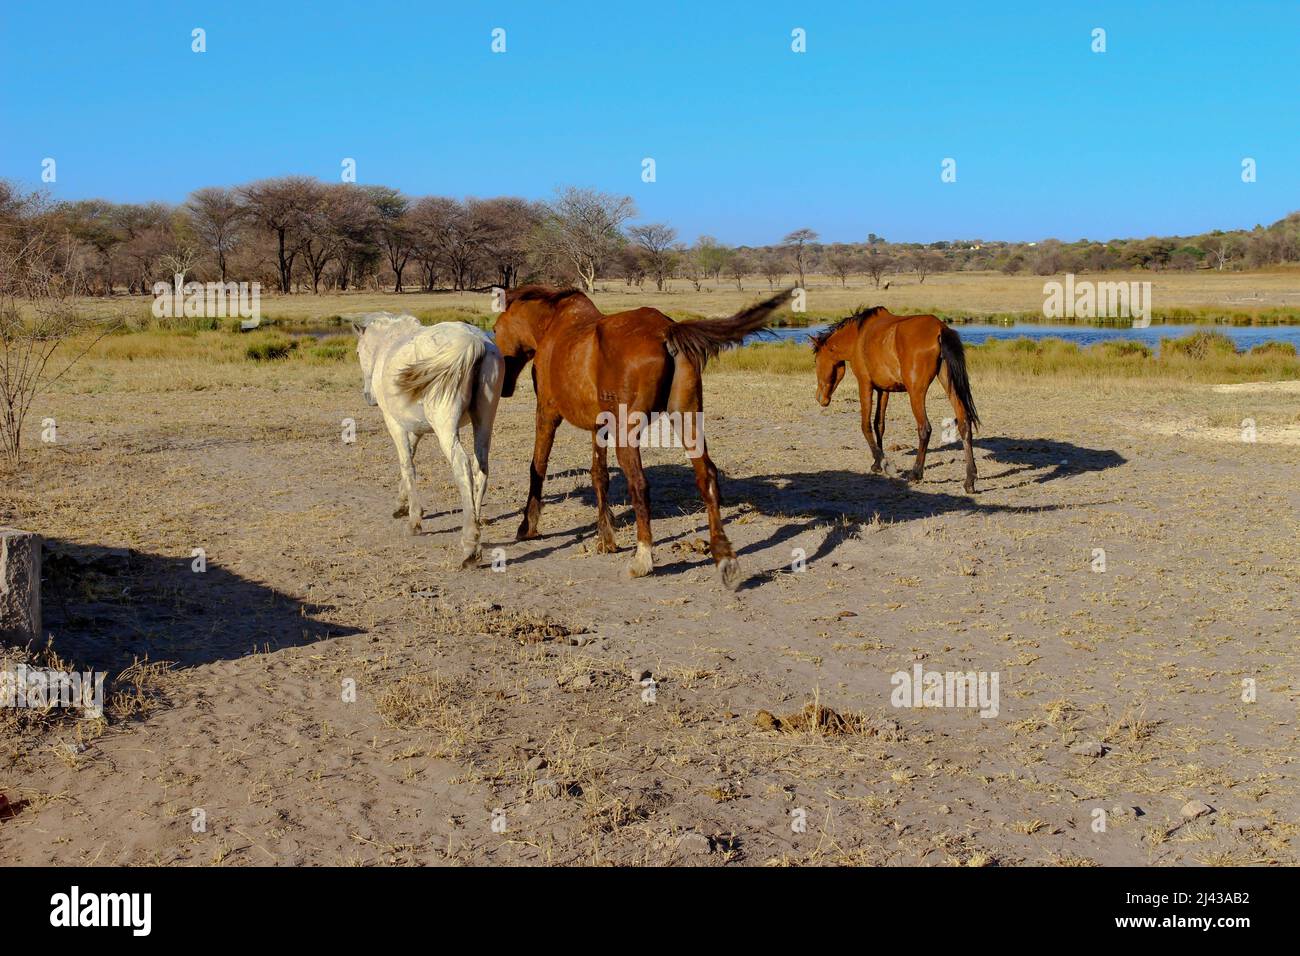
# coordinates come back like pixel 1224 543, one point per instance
pixel 750 139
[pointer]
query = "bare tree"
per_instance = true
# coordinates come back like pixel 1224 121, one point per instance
pixel 179 262
pixel 584 228
pixel 352 224
pixel 840 261
pixel 41 311
pixel 687 263
pixel 797 240
pixel 773 265
pixel 739 266
pixel 504 226
pixel 656 241
pixel 396 236
pixel 876 265
pixel 280 206
pixel 925 262
pixel 1222 249
pixel 217 217
pixel 713 256
pixel 318 241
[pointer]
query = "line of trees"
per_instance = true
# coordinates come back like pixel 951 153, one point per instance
pixel 298 234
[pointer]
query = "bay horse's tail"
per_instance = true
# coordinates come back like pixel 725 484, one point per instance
pixel 952 353
pixel 700 341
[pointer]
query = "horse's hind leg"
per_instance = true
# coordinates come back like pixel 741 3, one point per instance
pixel 685 399
pixel 445 425
pixel 608 543
pixel 963 427
pixel 917 397
pixel 483 415
pixel 629 459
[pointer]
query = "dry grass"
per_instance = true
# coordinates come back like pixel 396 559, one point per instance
pixel 1244 294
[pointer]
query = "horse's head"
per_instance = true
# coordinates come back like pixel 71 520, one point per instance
pixel 366 358
pixel 830 354
pixel 520 327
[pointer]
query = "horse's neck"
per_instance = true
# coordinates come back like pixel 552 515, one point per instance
pixel 574 310
pixel 843 342
pixel 393 334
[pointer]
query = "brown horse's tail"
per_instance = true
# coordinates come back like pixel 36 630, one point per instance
pixel 952 352
pixel 700 341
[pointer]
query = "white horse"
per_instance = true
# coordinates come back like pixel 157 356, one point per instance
pixel 434 379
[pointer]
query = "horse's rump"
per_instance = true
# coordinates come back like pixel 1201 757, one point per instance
pixel 449 364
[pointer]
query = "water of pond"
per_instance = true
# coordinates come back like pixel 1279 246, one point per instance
pixel 1244 337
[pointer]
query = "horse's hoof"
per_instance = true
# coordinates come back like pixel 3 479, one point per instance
pixel 525 533
pixel 876 469
pixel 643 563
pixel 606 547
pixel 970 487
pixel 729 570
pixel 414 527
pixel 471 559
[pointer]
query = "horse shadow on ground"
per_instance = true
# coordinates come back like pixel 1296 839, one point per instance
pixel 844 501
pixel 109 607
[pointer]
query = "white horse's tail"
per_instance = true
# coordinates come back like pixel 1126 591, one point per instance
pixel 441 375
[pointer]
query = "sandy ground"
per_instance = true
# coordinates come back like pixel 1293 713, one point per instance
pixel 555 712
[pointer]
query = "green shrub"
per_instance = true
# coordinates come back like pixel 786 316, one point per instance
pixel 1121 349
pixel 1274 348
pixel 270 349
pixel 1198 345
pixel 333 348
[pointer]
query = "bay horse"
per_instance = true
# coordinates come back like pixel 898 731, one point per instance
pixel 897 353
pixel 590 368
pixel 434 379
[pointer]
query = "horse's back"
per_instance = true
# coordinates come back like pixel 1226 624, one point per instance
pixel 896 347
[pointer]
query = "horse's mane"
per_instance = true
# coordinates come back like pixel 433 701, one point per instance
pixel 384 319
pixel 821 338
pixel 540 293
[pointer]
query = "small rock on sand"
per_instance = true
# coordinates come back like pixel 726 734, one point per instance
pixel 547 789
pixel 536 763
pixel 692 842
pixel 1248 826
pixel 1088 748
pixel 1196 808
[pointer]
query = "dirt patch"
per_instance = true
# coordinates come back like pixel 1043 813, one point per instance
pixel 1293 386
pixel 817 719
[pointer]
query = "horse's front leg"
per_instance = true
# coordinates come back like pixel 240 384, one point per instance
pixel 607 543
pixel 882 402
pixel 547 423
pixel 865 394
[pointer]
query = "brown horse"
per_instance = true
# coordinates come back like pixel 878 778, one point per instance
pixel 592 369
pixel 896 353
